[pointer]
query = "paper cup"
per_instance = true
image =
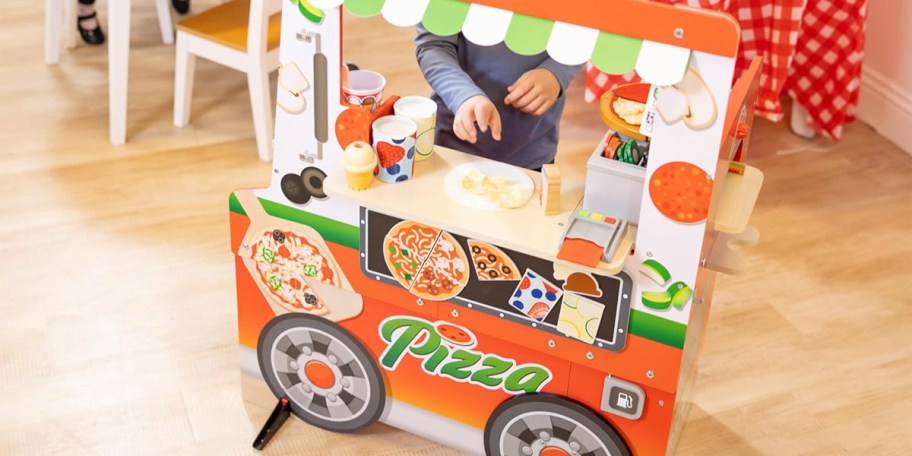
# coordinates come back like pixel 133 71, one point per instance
pixel 394 143
pixel 365 88
pixel 423 111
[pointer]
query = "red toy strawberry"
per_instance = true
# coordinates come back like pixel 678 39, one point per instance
pixel 389 154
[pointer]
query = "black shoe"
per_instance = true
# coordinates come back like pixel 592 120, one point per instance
pixel 91 36
pixel 181 6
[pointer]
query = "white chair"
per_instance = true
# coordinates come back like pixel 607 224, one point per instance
pixel 60 26
pixel 240 34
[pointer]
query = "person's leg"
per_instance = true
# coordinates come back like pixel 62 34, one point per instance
pixel 87 23
pixel 181 6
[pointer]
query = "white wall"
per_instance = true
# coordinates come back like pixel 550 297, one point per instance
pixel 886 84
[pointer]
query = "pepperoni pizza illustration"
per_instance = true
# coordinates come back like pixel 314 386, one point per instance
pixel 681 191
pixel 445 273
pixel 284 260
pixel 407 245
pixel 491 263
pixel 455 335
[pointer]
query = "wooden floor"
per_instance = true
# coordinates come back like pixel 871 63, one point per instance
pixel 116 280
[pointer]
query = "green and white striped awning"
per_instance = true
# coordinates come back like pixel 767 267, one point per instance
pixel 570 44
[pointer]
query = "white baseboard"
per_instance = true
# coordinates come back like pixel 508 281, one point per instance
pixel 886 107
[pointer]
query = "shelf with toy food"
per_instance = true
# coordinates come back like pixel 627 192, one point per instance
pixel 736 203
pixel 425 198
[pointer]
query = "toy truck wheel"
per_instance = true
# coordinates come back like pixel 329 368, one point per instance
pixel 328 376
pixel 544 425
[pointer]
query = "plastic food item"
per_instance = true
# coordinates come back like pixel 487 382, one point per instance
pixel 494 189
pixel 658 300
pixel 680 293
pixel 354 124
pixel 359 161
pixel 629 110
pixel 655 271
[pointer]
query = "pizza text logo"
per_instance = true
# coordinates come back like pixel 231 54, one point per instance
pixel 445 350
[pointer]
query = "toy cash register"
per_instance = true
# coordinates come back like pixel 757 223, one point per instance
pixel 498 329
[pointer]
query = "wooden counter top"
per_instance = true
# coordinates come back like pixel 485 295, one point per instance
pixel 423 199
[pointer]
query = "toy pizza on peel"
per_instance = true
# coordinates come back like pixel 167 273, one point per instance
pixel 681 191
pixel 491 263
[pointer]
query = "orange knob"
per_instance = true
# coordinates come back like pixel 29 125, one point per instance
pixel 742 130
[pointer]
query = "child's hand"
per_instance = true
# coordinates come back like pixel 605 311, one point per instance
pixel 476 109
pixel 534 92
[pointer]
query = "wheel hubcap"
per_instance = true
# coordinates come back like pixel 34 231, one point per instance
pixel 554 451
pixel 319 375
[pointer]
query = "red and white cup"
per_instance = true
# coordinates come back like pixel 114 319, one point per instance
pixel 365 88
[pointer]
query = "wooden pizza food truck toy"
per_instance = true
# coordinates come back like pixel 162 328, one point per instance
pixel 490 308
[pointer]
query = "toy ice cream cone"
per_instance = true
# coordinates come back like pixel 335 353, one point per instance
pixel 359 161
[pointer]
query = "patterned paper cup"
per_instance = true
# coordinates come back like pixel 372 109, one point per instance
pixel 423 111
pixel 394 143
pixel 365 88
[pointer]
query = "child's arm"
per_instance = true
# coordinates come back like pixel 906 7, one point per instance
pixel 438 59
pixel 536 91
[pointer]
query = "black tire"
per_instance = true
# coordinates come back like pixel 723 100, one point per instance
pixel 293 189
pixel 357 396
pixel 525 425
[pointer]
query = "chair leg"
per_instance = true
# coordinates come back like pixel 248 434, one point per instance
pixel 184 69
pixel 261 106
pixel 164 20
pixel 53 15
pixel 69 24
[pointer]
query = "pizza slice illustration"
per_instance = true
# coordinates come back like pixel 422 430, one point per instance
pixel 491 263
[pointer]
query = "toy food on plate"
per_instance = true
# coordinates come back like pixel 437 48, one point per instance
pixel 629 110
pixel 681 191
pixel 284 259
pixel 359 161
pixel 489 185
pixel 493 188
pixel 491 263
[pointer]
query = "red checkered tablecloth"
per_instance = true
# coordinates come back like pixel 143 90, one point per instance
pixel 811 49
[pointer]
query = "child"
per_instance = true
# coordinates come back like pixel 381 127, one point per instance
pixel 519 99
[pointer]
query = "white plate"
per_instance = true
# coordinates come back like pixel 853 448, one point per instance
pixel 453 184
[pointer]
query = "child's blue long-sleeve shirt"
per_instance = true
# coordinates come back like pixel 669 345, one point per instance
pixel 458 70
